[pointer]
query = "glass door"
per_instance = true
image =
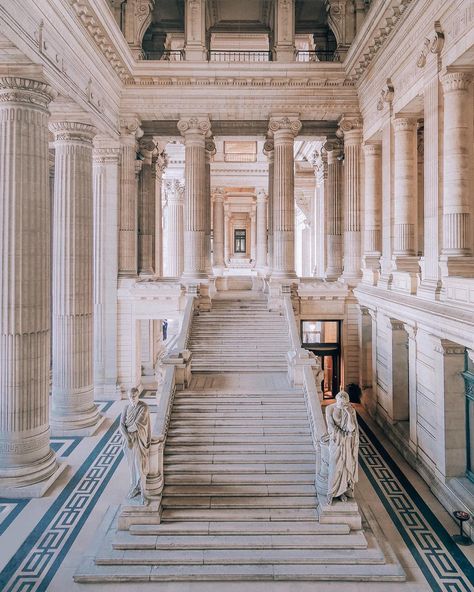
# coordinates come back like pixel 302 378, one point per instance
pixel 240 241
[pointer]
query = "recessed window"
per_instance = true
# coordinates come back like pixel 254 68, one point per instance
pixel 240 241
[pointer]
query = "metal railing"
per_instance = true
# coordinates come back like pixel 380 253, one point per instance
pixel 167 55
pixel 239 56
pixel 317 55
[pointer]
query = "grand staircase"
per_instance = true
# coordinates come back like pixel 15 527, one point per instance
pixel 239 501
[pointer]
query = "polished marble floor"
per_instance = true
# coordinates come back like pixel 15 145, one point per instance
pixel 43 540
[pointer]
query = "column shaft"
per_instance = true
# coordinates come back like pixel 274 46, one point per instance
pixel 457 170
pixel 372 211
pixel 262 246
pixel 146 219
pixel 25 273
pixel 284 131
pixel 194 131
pixel 219 229
pixel 334 214
pixel 73 405
pixel 175 238
pixel 158 165
pixel 270 154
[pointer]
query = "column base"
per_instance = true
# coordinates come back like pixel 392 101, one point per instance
pixel 195 54
pixel 405 274
pixel 281 276
pixel 81 425
pixel 284 53
pixel 31 481
pixel 456 266
pixel 371 269
pixel 110 391
pixel 429 290
pixel 350 279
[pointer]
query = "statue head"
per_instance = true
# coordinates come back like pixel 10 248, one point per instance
pixel 342 399
pixel 133 395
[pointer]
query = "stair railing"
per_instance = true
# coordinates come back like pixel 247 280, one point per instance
pixel 176 376
pixel 301 370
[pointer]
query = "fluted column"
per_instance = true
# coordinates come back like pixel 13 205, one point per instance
pixel 106 179
pixel 146 210
pixel 405 262
pixel 351 127
pixel 372 212
pixel 253 235
pixel 195 131
pixel 210 151
pixel 128 211
pixel 269 152
pixel 159 162
pixel 73 407
pixel 319 221
pixel 284 130
pixel 227 238
pixel 218 218
pixel 173 265
pixel 26 457
pixel 334 211
pixel 262 199
pixel 457 174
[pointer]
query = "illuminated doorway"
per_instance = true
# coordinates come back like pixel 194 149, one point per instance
pixel 323 338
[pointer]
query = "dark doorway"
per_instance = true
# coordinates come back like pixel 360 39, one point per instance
pixel 323 338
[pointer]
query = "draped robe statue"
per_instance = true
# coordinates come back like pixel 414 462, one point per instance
pixel 135 427
pixel 343 448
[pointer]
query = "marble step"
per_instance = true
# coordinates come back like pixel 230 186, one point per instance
pixel 263 431
pixel 240 448
pixel 236 439
pixel 277 479
pixel 239 514
pixel 172 457
pixel 231 502
pixel 237 489
pixel 237 528
pixel 198 422
pixel 259 413
pixel 212 468
pixel 89 572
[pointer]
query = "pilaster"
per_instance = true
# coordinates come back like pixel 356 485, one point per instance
pixel 262 199
pixel 284 31
pixel 334 211
pixel 218 201
pixel 372 213
pixel 195 30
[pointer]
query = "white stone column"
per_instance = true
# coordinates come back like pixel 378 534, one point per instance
pixel 334 211
pixel 262 246
pixel 146 211
pixel 284 31
pixel 26 458
pixel 159 163
pixel 412 385
pixel 319 221
pixel 269 152
pixel 175 230
pixel 284 130
pixel 195 30
pixel 253 235
pixel 227 238
pixel 128 239
pixel 195 130
pixel 73 408
pixel 106 177
pixel 351 127
pixel 218 200
pixel 210 151
pixel 372 212
pixel 405 262
pixel 457 175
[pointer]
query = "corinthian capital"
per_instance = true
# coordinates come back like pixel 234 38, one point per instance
pixel 404 124
pixel 290 124
pixel 73 131
pixel 454 81
pixel 195 125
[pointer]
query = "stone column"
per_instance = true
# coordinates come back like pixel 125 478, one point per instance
pixel 195 131
pixel 175 239
pixel 319 222
pixel 412 385
pixel 106 176
pixel 372 213
pixel 457 175
pixel 159 162
pixel 334 211
pixel 146 210
pixel 405 262
pixel 210 151
pixel 195 30
pixel 284 31
pixel 253 235
pixel 284 130
pixel 128 245
pixel 269 152
pixel 262 199
pixel 227 238
pixel 218 230
pixel 26 459
pixel 352 129
pixel 73 408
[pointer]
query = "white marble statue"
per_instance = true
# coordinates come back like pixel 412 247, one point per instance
pixel 135 427
pixel 343 448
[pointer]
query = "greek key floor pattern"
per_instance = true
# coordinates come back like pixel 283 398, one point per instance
pixel 39 557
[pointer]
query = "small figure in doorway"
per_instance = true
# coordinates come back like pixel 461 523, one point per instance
pixel 135 427
pixel 343 448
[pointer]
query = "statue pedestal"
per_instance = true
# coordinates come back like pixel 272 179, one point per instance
pixel 339 513
pixel 133 512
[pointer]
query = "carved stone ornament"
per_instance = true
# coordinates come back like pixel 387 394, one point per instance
pixel 73 131
pixel 386 95
pixel 23 90
pixel 197 125
pixel 454 81
pixel 210 147
pixel 350 124
pixel 268 147
pixel 285 123
pixel 433 44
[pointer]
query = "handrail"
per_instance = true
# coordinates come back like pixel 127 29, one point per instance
pixel 183 335
pixel 290 319
pixel 239 55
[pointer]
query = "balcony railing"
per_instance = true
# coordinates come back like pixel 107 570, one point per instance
pixel 168 55
pixel 317 55
pixel 239 56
